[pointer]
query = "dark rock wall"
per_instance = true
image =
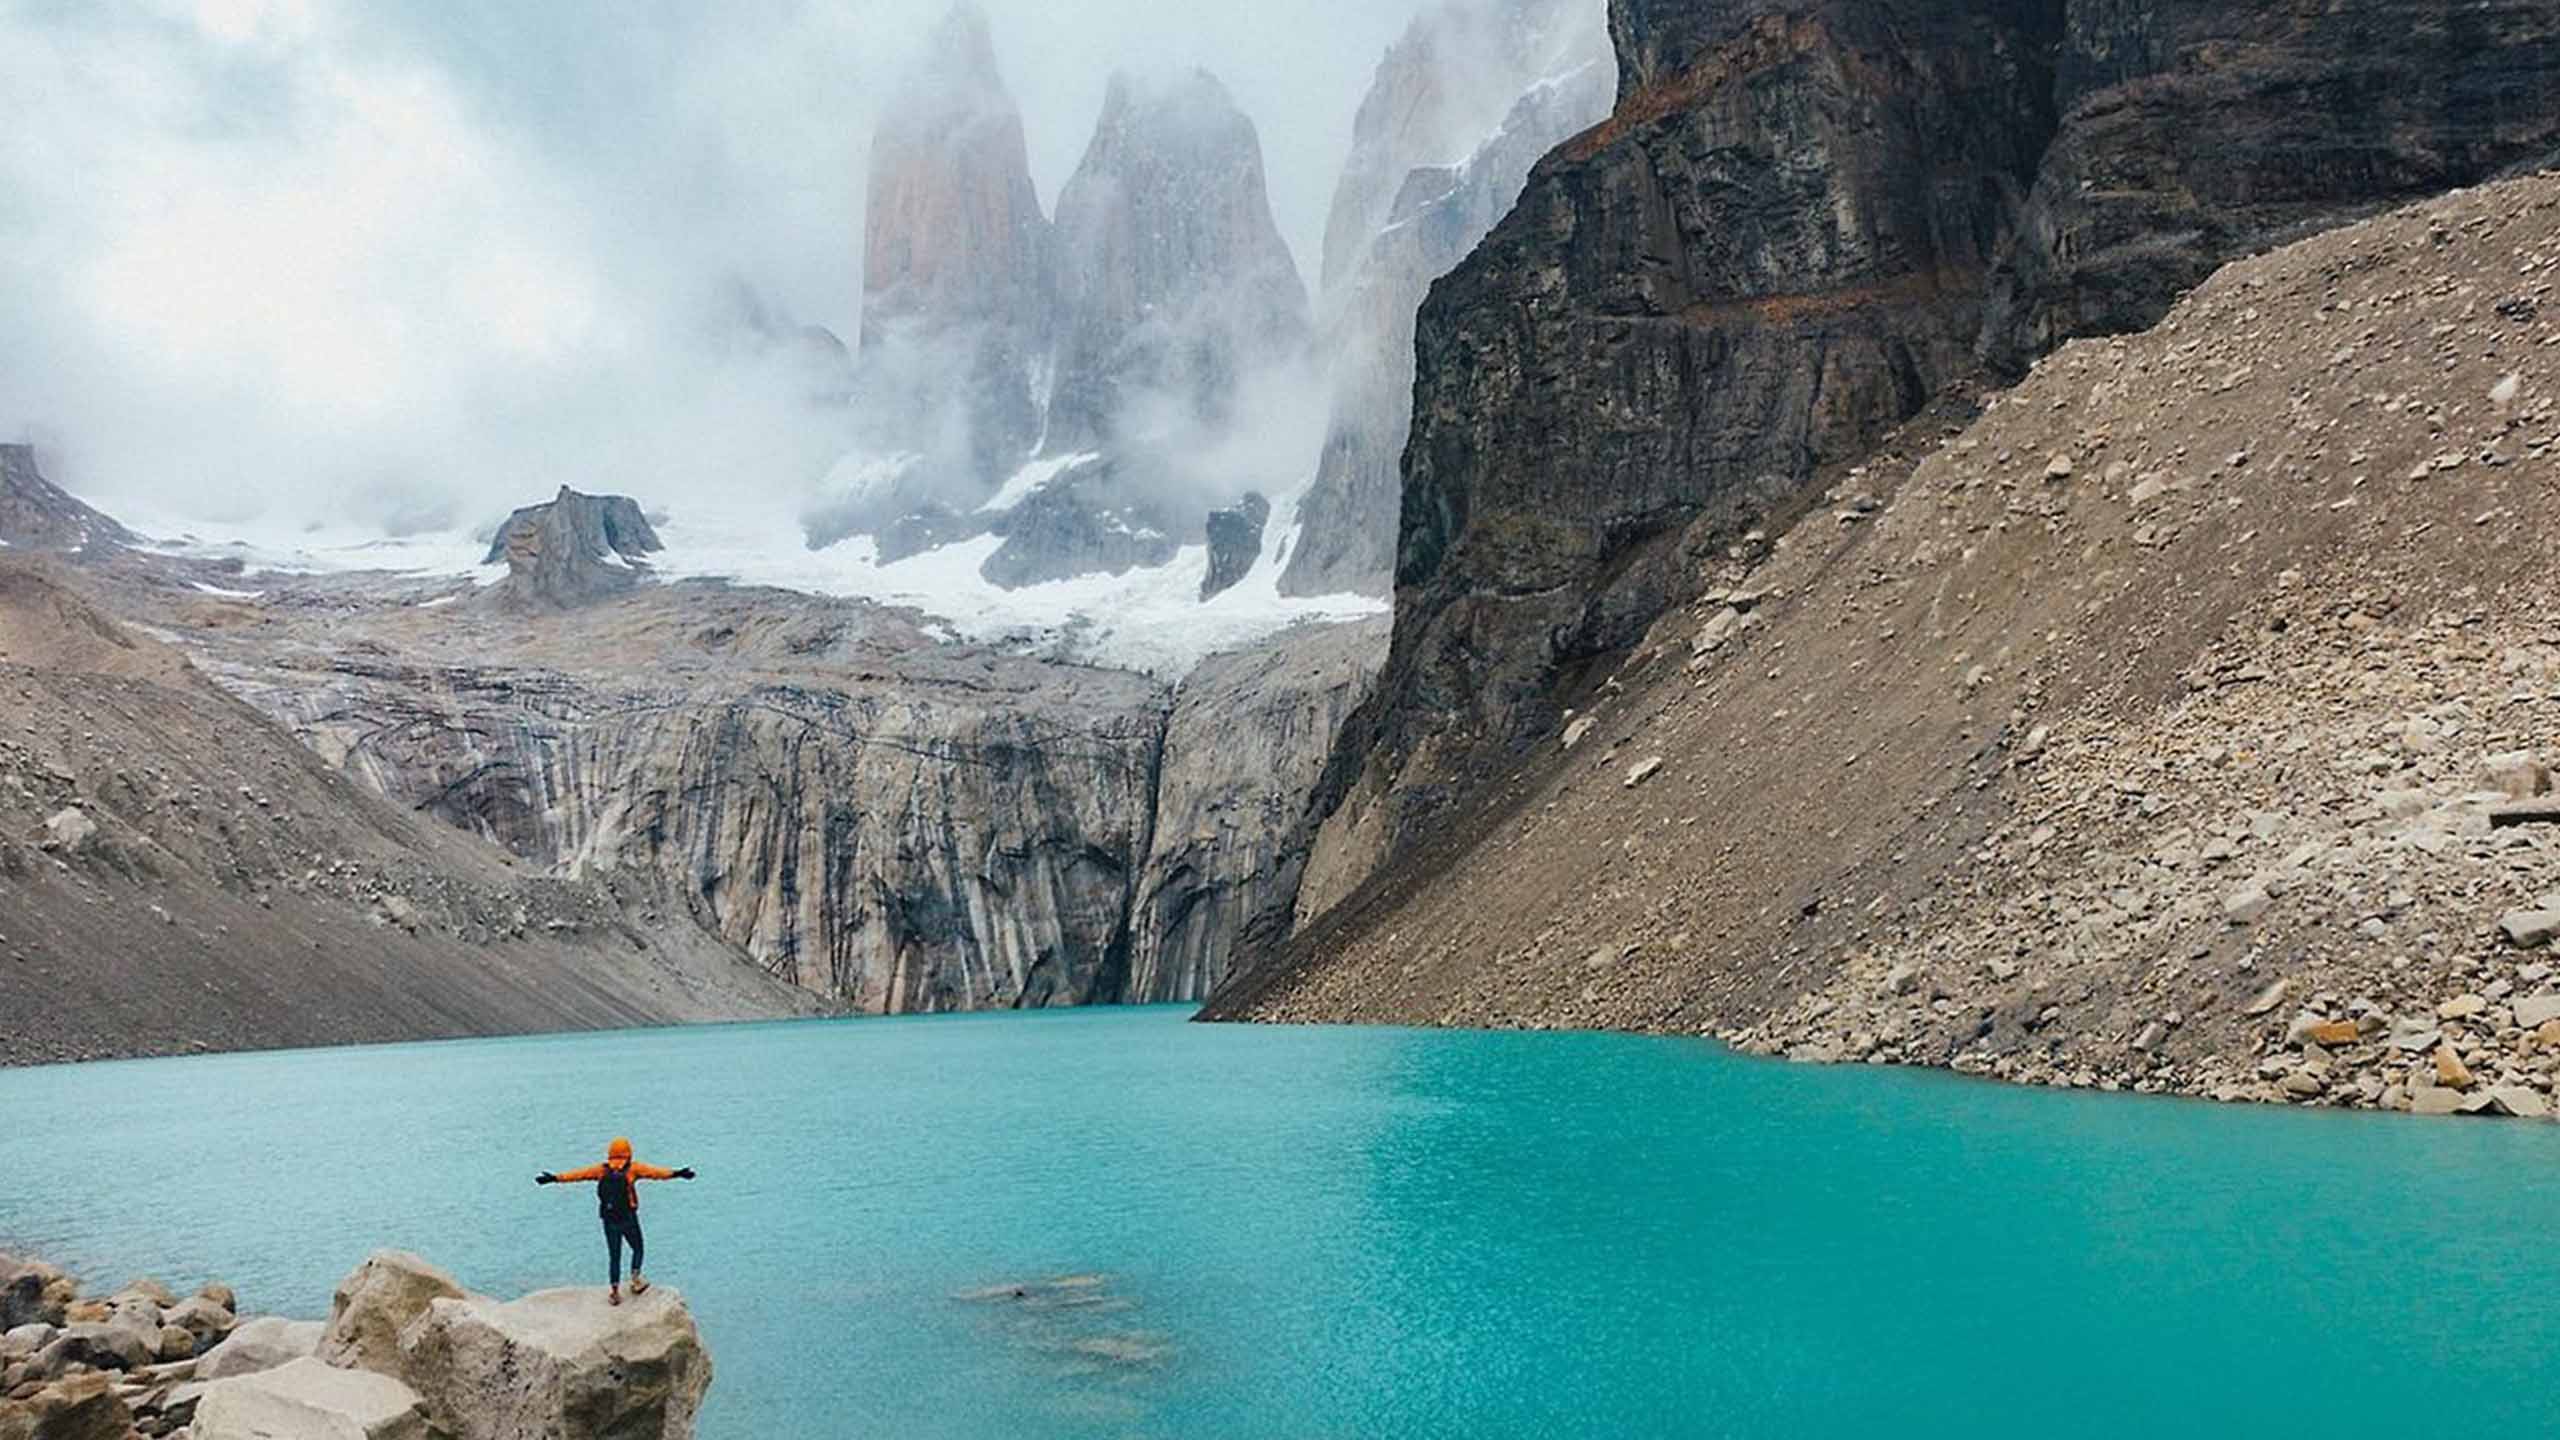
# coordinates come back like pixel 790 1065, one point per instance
pixel 1804 220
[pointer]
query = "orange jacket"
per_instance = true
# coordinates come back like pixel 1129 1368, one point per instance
pixel 618 1157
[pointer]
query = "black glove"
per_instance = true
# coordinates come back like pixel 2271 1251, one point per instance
pixel 546 1178
pixel 685 1174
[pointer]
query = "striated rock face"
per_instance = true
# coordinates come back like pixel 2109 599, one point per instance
pixel 884 821
pixel 1173 279
pixel 36 514
pixel 285 904
pixel 958 288
pixel 1249 732
pixel 2198 131
pixel 1461 108
pixel 927 831
pixel 1805 219
pixel 572 550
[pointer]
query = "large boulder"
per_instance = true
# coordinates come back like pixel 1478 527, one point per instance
pixel 378 1300
pixel 84 1407
pixel 203 1318
pixel 559 1363
pixel 35 1292
pixel 260 1344
pixel 307 1400
pixel 97 1347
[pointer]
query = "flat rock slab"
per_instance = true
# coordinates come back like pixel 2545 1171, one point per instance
pixel 2525 812
pixel 307 1400
pixel 260 1344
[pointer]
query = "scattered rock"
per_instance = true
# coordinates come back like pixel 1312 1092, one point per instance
pixel 2535 1011
pixel 2268 999
pixel 2434 1100
pixel 68 831
pixel 2450 1071
pixel 1643 770
pixel 2529 929
pixel 83 1407
pixel 97 1347
pixel 2519 1100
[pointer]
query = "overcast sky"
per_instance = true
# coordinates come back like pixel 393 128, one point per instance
pixel 370 254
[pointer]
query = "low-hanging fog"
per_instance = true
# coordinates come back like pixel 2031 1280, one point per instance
pixel 406 263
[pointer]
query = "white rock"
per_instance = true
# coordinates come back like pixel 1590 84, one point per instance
pixel 2535 1011
pixel 69 830
pixel 559 1363
pixel 2520 1100
pixel 307 1400
pixel 1643 770
pixel 2268 999
pixel 379 1299
pixel 2529 929
pixel 260 1344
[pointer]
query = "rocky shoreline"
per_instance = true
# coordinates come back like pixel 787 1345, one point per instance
pixel 405 1354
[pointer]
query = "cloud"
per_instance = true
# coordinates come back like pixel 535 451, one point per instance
pixel 412 263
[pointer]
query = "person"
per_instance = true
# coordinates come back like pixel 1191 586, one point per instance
pixel 617 1183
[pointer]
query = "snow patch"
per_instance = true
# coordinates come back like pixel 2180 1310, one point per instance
pixel 226 594
pixel 1030 479
pixel 1150 620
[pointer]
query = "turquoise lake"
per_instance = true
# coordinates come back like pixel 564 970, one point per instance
pixel 1322 1233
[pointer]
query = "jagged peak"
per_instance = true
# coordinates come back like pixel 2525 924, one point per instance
pixel 36 514
pixel 572 549
pixel 954 78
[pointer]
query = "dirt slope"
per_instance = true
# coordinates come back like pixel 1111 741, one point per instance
pixel 2197 664
pixel 176 873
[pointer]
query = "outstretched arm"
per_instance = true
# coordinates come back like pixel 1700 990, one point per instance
pixel 652 1172
pixel 570 1177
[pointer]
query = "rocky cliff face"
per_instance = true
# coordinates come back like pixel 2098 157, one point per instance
pixel 958 284
pixel 1460 109
pixel 2194 132
pixel 2181 724
pixel 1174 280
pixel 572 549
pixel 888 823
pixel 1804 220
pixel 1249 732
pixel 36 514
pixel 177 873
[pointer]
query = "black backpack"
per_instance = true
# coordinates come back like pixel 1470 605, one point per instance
pixel 613 1193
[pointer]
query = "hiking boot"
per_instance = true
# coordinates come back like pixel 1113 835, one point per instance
pixel 613 1295
pixel 639 1285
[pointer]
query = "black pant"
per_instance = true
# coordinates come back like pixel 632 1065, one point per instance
pixel 618 1228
